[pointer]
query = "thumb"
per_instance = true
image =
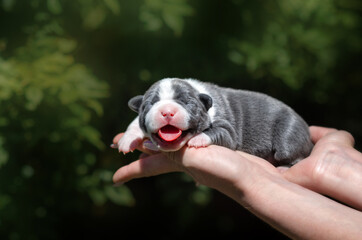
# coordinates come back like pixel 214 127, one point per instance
pixel 145 167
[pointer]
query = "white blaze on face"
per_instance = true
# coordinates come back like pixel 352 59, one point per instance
pixel 166 111
pixel 166 91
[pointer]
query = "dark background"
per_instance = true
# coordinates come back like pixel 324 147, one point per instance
pixel 68 68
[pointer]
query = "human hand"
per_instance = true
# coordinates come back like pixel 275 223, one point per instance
pixel 275 194
pixel 213 166
pixel 332 162
pixel 334 167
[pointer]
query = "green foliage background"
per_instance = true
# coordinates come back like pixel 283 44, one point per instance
pixel 68 68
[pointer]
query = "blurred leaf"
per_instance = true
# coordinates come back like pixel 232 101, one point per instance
pixel 120 195
pixel 3 121
pixel 94 18
pixel 201 195
pixel 286 43
pixel 8 83
pixel 54 6
pixel 88 182
pixel 145 75
pixel 8 4
pixel 171 12
pixel 99 198
pixel 90 159
pixel 66 45
pixel 34 97
pixel 96 106
pixel 4 156
pixel 91 135
pixel 82 169
pixel 113 5
pixel 27 171
pixel 152 22
pixel 48 101
pixel 105 175
pixel 175 22
pixel 4 200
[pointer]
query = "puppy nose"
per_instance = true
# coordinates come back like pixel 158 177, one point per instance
pixel 168 113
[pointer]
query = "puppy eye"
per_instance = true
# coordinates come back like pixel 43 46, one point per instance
pixel 182 102
pixel 154 100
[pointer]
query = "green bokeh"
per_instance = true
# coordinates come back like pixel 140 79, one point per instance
pixel 68 68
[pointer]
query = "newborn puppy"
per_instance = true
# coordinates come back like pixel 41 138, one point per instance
pixel 174 112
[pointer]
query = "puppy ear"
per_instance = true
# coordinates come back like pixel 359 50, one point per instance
pixel 135 103
pixel 206 100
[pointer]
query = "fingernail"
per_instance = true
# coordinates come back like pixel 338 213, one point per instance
pixel 118 184
pixel 114 145
pixel 149 145
pixel 282 169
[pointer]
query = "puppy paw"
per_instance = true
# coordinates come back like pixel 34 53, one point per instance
pixel 130 141
pixel 200 140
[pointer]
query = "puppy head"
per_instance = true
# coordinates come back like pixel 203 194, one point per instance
pixel 171 112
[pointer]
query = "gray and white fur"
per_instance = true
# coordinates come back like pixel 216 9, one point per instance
pixel 208 114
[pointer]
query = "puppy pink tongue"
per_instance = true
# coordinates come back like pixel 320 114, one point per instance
pixel 169 133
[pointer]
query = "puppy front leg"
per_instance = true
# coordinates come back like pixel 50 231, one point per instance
pixel 199 140
pixel 221 133
pixel 132 138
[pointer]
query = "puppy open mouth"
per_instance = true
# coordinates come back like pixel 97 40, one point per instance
pixel 169 133
pixel 170 137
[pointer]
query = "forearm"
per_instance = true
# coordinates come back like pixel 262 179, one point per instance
pixel 298 212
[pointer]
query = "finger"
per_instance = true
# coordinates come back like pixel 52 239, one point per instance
pixel 250 157
pixel 317 132
pixel 340 137
pixel 282 169
pixel 335 175
pixel 117 137
pixel 145 167
pixel 257 160
pixel 301 173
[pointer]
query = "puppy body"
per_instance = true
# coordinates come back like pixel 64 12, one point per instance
pixel 175 112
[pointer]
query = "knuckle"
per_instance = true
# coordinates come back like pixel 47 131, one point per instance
pixel 348 136
pixel 329 163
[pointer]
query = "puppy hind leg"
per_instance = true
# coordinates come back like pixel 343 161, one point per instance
pixel 291 146
pixel 286 145
pixel 282 155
